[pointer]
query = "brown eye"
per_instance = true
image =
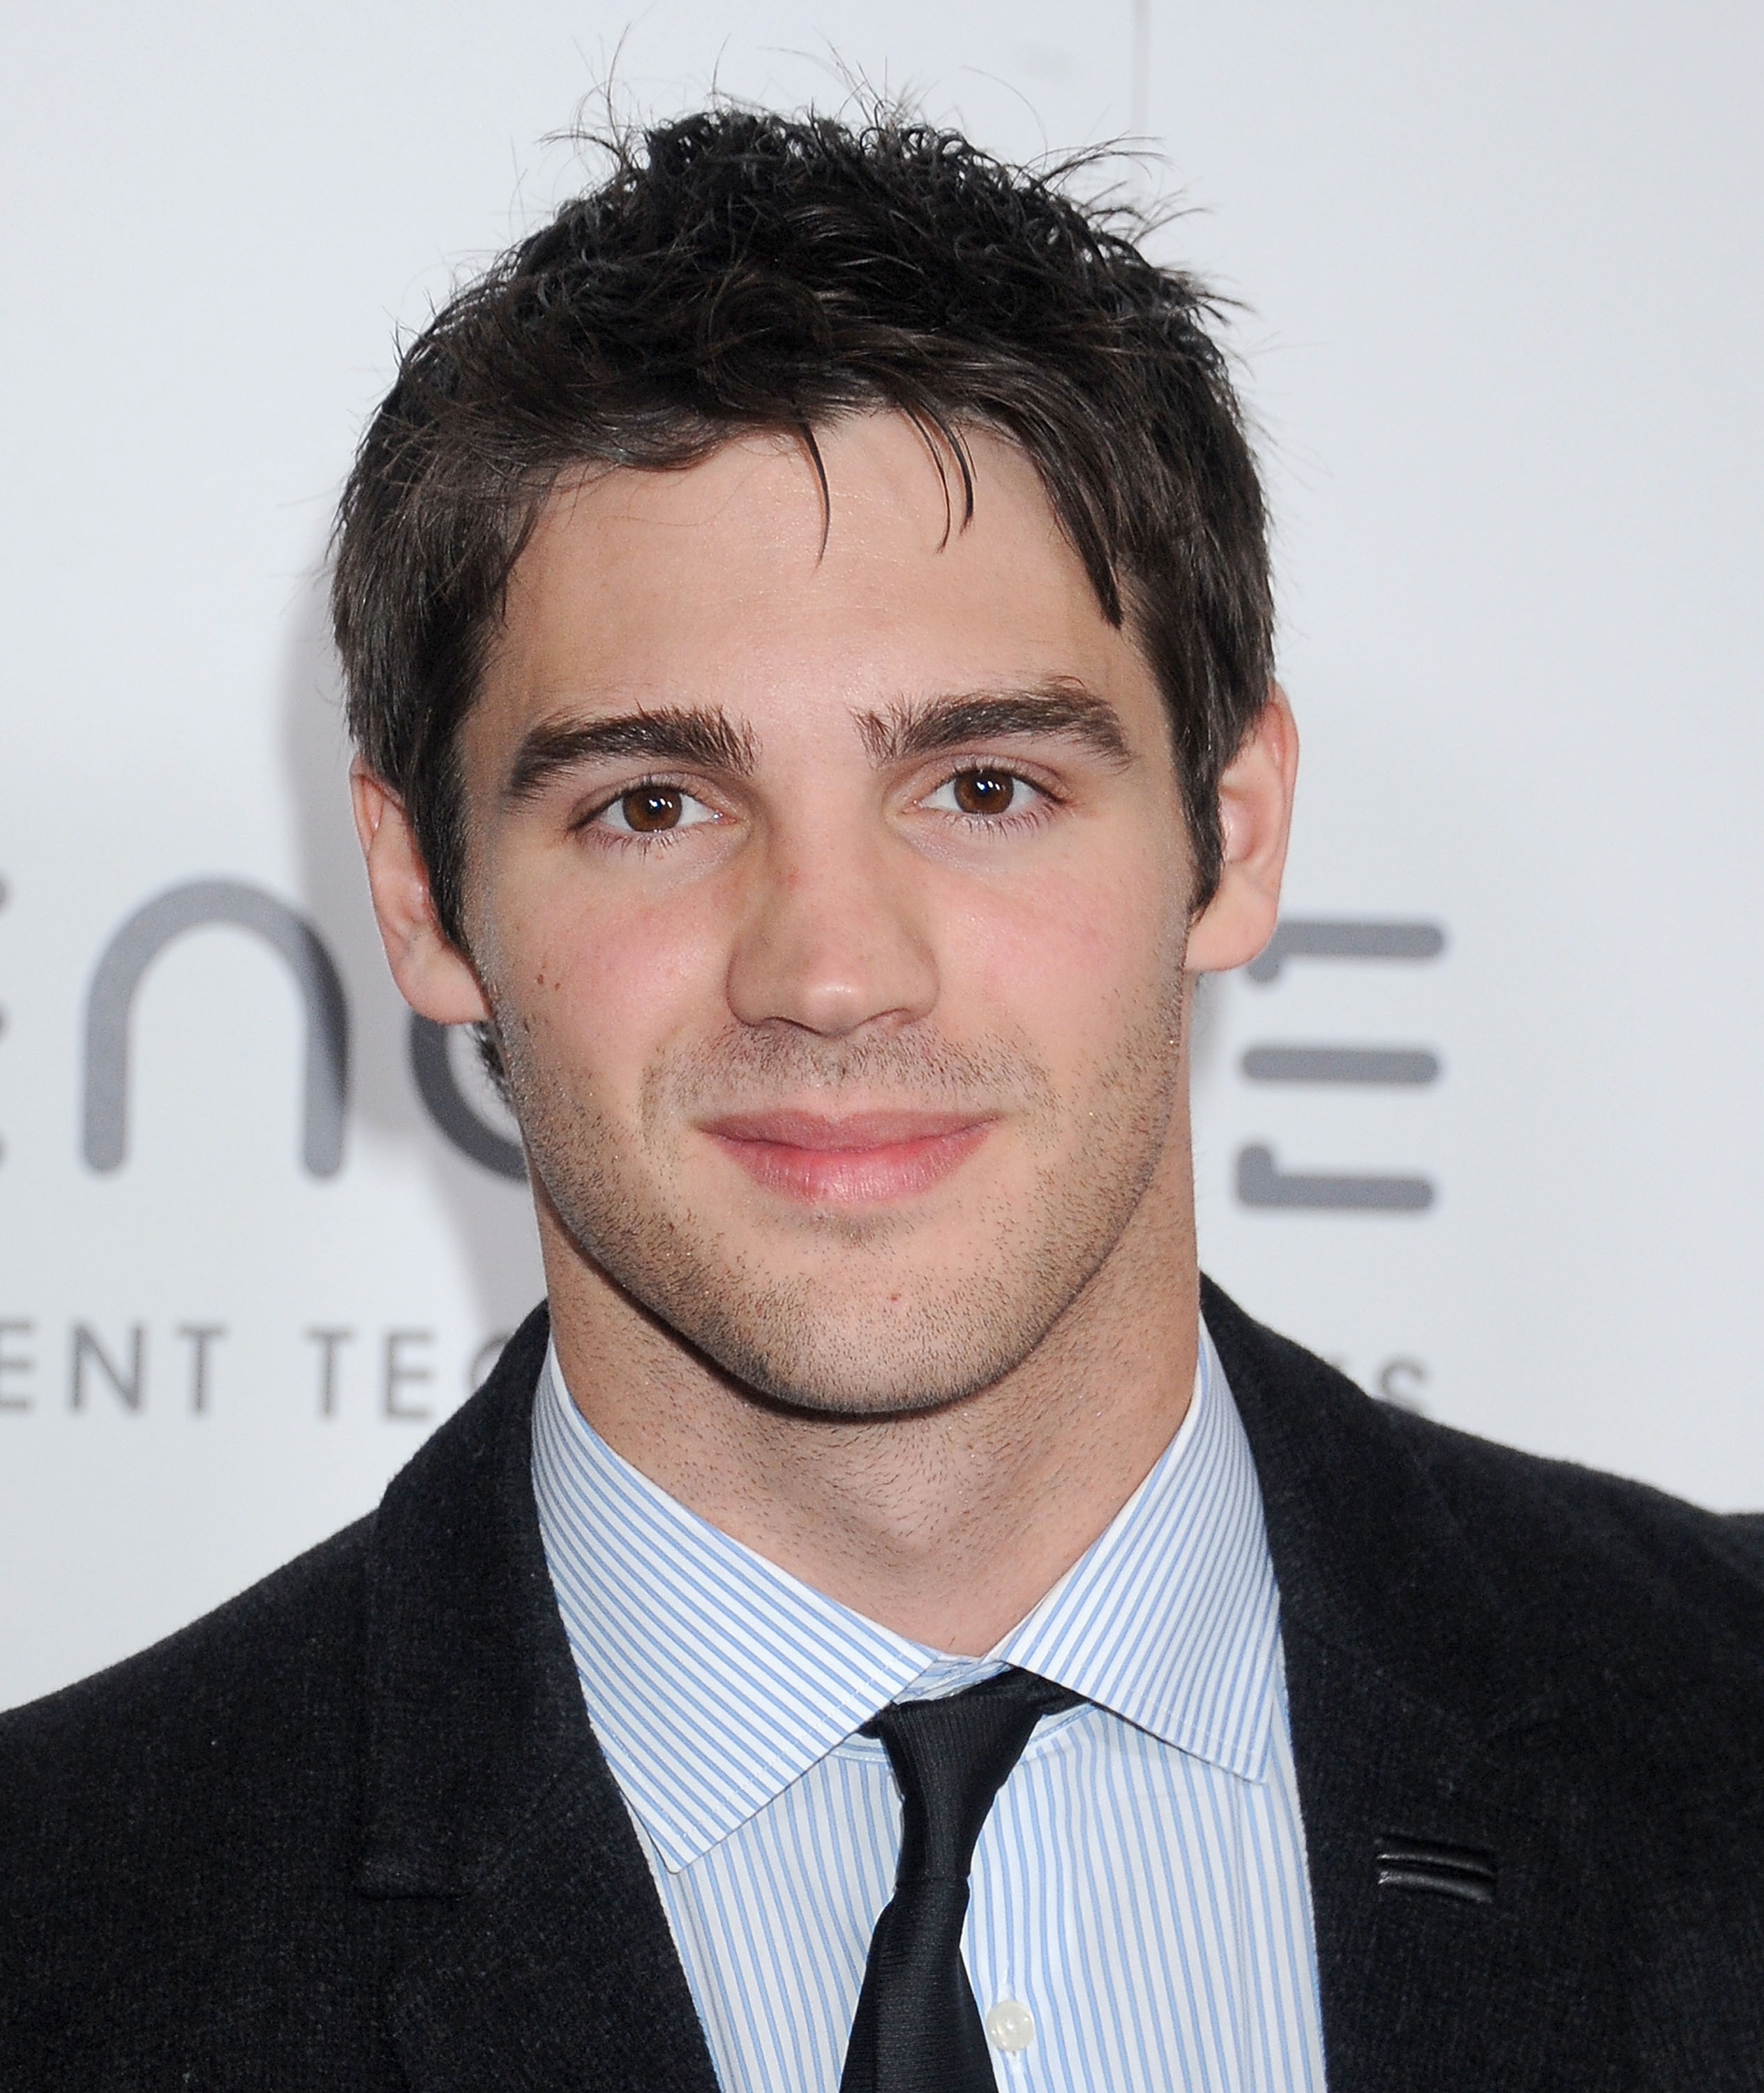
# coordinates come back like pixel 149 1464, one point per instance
pixel 651 808
pixel 984 791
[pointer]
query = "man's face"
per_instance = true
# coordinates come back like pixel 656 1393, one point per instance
pixel 830 901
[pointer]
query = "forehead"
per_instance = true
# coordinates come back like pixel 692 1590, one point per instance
pixel 736 582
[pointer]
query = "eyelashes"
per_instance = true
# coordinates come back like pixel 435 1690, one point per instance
pixel 653 808
pixel 989 794
pixel 647 814
pixel 652 811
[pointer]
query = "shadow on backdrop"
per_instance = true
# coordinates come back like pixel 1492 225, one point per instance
pixel 489 1213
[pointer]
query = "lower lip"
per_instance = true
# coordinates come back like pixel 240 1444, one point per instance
pixel 853 1176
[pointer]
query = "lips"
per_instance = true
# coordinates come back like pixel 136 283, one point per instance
pixel 855 1158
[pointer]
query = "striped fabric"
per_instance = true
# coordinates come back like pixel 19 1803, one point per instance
pixel 1140 1886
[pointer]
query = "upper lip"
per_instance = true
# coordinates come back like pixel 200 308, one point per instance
pixel 830 1132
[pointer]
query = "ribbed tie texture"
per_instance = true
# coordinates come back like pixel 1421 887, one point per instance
pixel 917 2029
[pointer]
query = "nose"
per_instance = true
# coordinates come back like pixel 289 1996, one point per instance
pixel 832 939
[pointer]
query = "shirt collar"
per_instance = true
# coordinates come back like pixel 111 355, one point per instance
pixel 1171 1618
pixel 715 1680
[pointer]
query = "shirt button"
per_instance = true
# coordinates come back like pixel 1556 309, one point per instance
pixel 1010 2025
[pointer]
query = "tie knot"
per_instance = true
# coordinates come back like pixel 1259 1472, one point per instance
pixel 951 1756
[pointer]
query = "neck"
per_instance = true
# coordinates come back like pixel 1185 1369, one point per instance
pixel 945 1526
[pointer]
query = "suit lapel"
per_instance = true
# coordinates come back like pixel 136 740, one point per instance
pixel 1458 1917
pixel 526 1946
pixel 1456 1920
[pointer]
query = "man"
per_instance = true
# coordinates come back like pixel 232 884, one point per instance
pixel 892 1627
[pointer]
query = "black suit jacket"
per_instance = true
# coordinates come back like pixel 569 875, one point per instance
pixel 353 1830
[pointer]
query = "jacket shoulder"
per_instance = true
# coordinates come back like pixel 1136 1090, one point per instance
pixel 181 1836
pixel 1622 1529
pixel 263 1685
pixel 1597 1582
pixel 1641 1613
pixel 179 1826
pixel 294 1613
pixel 1624 1587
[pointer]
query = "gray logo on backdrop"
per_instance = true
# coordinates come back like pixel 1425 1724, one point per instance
pixel 111 1002
pixel 199 903
pixel 1260 1180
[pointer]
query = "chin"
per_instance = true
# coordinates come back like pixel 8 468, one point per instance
pixel 835 1385
pixel 793 1348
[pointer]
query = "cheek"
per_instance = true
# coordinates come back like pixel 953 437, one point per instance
pixel 1076 956
pixel 601 991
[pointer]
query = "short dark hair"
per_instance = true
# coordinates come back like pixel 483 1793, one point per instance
pixel 740 270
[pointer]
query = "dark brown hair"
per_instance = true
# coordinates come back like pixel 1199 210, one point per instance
pixel 740 270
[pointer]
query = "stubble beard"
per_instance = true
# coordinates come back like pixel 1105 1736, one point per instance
pixel 881 1322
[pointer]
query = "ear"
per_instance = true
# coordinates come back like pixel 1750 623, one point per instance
pixel 1255 814
pixel 433 976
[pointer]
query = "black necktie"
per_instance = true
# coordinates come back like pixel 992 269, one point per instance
pixel 917 2029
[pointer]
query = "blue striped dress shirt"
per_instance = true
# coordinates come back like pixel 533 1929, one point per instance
pixel 1140 1915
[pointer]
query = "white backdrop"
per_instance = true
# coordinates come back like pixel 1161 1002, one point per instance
pixel 1500 263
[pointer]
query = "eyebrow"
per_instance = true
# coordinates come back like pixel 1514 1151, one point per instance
pixel 1062 706
pixel 709 740
pixel 697 735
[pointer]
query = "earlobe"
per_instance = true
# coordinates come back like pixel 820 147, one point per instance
pixel 433 976
pixel 1255 807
